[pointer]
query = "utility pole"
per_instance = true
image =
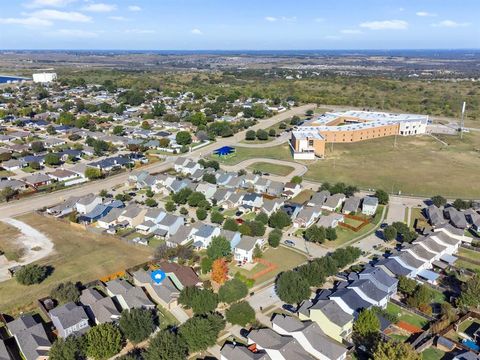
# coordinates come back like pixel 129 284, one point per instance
pixel 462 120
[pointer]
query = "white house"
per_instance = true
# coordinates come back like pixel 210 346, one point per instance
pixel 369 205
pixel 243 251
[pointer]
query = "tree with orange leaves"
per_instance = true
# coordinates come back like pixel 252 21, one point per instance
pixel 219 271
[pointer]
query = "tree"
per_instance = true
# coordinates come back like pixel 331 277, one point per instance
pixel 296 179
pixel 313 273
pixel 93 173
pixel 201 214
pixel 406 285
pixel 170 206
pixel 422 296
pixel 366 327
pixel 272 133
pixel 37 147
pixel 438 200
pixel 201 301
pixel 262 217
pixel 219 247
pixel 219 271
pixel 35 165
pixel 390 233
pixel 216 217
pixel 195 198
pixel 382 197
pixel 151 202
pixel 52 159
pixel 274 237
pixel 330 233
pixel 230 224
pixel 470 295
pixel 137 324
pixel 164 142
pixel 279 220
pixel 391 350
pixel 183 138
pixel 233 290
pixel 315 234
pixel 146 125
pixel 65 292
pixel 257 252
pixel 206 264
pixel 201 332
pixel 240 313
pixel 460 204
pixel 103 341
pixel 309 113
pixel 166 345
pixel 31 274
pixel 262 134
pixel 181 197
pixel 182 210
pixel 250 135
pixel 7 193
pixel 291 287
pixel 210 178
pixel 70 348
pixel 118 130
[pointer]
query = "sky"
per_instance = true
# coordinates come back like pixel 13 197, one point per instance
pixel 239 24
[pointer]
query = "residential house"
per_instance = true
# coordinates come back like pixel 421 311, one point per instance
pixel 169 225
pixel 182 237
pixel 233 237
pixel 456 217
pixel 128 296
pixel 150 222
pixel 62 175
pixel 435 216
pixel 87 203
pixel 261 186
pixel 204 235
pixel 330 220
pixel 271 205
pixel 111 219
pixel 69 319
pixel 164 293
pixel 275 188
pixel 133 215
pixel 64 208
pixel 32 340
pixel 252 201
pixel 221 195
pixel 97 213
pixel 369 205
pixel 307 216
pixel 37 180
pixel 243 251
pixel 351 205
pixel 291 190
pixel 12 165
pixel 234 200
pixel 99 309
pixel 333 202
pixel 181 275
pixel 206 189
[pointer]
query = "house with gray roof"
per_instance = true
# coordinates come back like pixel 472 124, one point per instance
pixel 351 205
pixel 350 301
pixel 233 237
pixel 204 235
pixel 367 290
pixel 435 215
pixel 5 352
pixel 275 188
pixel 69 319
pixel 64 208
pixel 31 338
pixel 127 295
pixel 310 337
pixel 261 185
pixel 319 198
pixel 87 203
pixel 307 216
pixel 164 294
pixel 271 205
pixel 231 351
pixel 243 251
pixel 221 195
pixel 333 202
pixel 330 220
pixel 456 217
pixel 380 279
pixel 369 205
pixel 170 224
pixel 206 189
pixel 182 237
pixel 99 309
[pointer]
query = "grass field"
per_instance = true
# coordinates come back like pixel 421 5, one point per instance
pixel 276 169
pixel 469 254
pixel 406 316
pixel 377 164
pixel 467 265
pixel 6 173
pixel 304 196
pixel 284 258
pixel 79 256
pixel 432 354
pixel 281 152
pixel 12 251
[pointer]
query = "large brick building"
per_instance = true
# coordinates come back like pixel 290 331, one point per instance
pixel 309 139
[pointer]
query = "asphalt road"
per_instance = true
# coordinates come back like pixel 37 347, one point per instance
pixel 19 207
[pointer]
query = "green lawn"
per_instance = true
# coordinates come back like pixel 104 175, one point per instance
pixel 249 216
pixel 256 141
pixel 304 196
pixel 406 316
pixel 346 235
pixel 276 169
pixel 469 254
pixel 284 258
pixel 281 152
pixel 377 164
pixel 399 338
pixel 6 173
pixel 467 265
pixel 432 354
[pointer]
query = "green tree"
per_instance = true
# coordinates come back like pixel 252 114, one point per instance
pixel 146 125
pixel 166 345
pixel 201 214
pixel 272 133
pixel 406 285
pixel 313 273
pixel 274 237
pixel 438 200
pixel 230 224
pixel 279 220
pixel 201 332
pixel 137 324
pixel 31 274
pixel 210 178
pixel 240 313
pixel 52 159
pixel 470 295
pixel 330 233
pixel 201 301
pixel 250 135
pixel 262 134
pixel 7 193
pixel 181 196
pixel 70 348
pixel 391 350
pixel 262 217
pixel 170 206
pixel 206 265
pixel 37 147
pixel 257 252
pixel 103 341
pixel 183 138
pixel 423 295
pixel 460 204
pixel 93 173
pixel 296 179
pixel 382 197
pixel 65 292
pixel 195 198
pixel 216 217
pixel 118 130
pixel 315 234
pixel 366 327
pixel 233 290
pixel 390 233
pixel 219 247
pixel 291 287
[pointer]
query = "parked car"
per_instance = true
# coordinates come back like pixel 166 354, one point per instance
pixel 289 308
pixel 289 243
pixel 239 213
pixel 266 174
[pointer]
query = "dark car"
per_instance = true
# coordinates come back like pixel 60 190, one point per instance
pixel 383 225
pixel 289 243
pixel 290 308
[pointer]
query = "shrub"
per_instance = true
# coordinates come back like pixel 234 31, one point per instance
pixel 65 292
pixel 31 274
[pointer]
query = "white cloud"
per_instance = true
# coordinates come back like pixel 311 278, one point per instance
pixel 425 14
pixel 140 31
pixel 350 31
pixel 100 7
pixel 270 18
pixel 134 8
pixel 281 18
pixel 450 24
pixel 74 33
pixel 48 3
pixel 385 25
pixel 71 16
pixel 196 32
pixel 28 21
pixel 118 18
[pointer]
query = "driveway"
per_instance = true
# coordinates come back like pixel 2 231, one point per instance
pixel 396 212
pixel 179 314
